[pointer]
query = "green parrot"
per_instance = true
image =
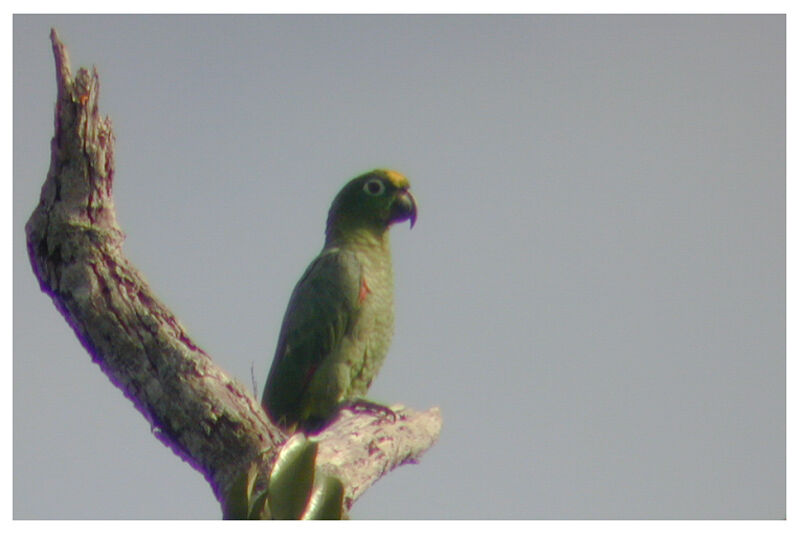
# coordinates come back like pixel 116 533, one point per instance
pixel 340 318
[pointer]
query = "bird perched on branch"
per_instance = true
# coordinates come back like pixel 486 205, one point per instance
pixel 340 318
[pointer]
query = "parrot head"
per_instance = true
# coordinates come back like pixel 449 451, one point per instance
pixel 373 201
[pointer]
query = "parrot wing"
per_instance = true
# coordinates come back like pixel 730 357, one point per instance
pixel 321 312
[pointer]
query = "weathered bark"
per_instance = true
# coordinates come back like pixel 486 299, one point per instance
pixel 208 419
pixel 360 449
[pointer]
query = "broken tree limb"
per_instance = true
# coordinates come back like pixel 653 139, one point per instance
pixel 206 417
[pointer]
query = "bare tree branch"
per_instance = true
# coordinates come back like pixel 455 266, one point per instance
pixel 354 442
pixel 206 417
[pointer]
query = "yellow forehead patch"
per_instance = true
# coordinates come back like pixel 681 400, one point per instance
pixel 394 177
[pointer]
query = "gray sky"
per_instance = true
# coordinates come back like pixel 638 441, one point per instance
pixel 594 292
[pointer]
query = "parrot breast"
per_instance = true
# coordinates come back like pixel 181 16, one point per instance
pixel 374 327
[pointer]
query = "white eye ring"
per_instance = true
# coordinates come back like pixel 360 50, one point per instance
pixel 374 187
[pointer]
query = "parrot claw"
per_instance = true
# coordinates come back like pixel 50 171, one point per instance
pixel 363 405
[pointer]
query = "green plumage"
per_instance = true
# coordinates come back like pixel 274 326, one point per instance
pixel 340 319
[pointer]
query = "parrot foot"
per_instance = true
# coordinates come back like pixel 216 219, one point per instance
pixel 366 406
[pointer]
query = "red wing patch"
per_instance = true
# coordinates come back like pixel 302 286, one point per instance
pixel 309 376
pixel 364 291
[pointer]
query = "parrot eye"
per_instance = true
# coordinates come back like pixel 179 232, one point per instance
pixel 374 187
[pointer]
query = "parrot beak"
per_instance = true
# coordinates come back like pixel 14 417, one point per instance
pixel 404 208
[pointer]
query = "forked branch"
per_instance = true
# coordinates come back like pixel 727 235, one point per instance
pixel 206 417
